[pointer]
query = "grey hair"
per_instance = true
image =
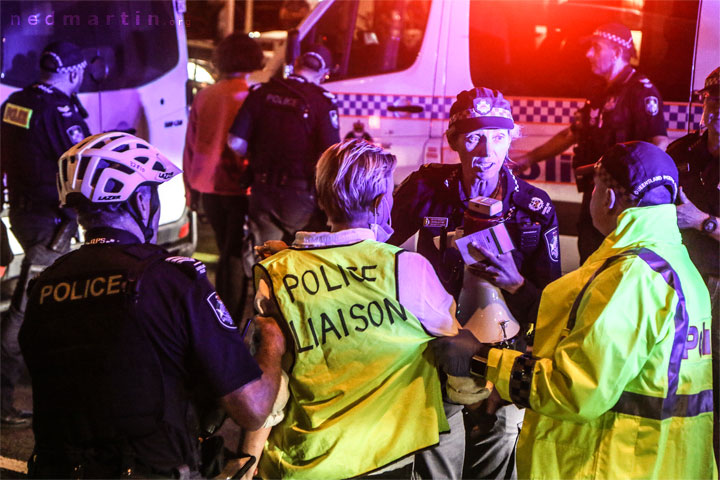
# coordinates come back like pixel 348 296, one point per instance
pixel 349 176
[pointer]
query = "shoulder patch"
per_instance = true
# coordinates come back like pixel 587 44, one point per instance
pixel 188 265
pixel 536 204
pixel 552 243
pixel 220 311
pixel 75 134
pixel 652 105
pixel 533 201
pixel 17 115
pixel 334 119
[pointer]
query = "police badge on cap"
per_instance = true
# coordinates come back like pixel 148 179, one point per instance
pixel 62 57
pixel 480 108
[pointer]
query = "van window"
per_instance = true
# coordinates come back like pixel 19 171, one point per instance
pixel 137 39
pixel 536 48
pixel 369 37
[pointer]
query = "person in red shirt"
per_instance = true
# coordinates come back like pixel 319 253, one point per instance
pixel 214 175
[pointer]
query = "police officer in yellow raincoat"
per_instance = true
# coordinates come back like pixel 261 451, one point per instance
pixel 619 384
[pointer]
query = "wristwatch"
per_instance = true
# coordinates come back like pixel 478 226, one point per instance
pixel 709 225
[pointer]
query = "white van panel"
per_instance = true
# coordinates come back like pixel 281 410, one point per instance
pixel 707 56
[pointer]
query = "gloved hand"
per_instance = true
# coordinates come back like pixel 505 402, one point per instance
pixel 453 354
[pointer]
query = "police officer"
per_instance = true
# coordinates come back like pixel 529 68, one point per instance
pixel 39 123
pixel 283 127
pixel 696 156
pixel 626 107
pixel 358 131
pixel 118 334
pixel 433 200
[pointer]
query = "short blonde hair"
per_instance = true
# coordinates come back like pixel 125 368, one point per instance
pixel 349 176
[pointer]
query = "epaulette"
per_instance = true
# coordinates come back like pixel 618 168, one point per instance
pixel 255 86
pixel 44 88
pixel 190 266
pixel 645 81
pixel 329 95
pixel 297 78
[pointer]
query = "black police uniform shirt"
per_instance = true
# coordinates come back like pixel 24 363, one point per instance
pixel 631 108
pixel 288 124
pixel 39 123
pixel 435 190
pixel 700 180
pixel 116 336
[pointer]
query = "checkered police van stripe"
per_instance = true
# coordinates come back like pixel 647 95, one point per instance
pixel 525 110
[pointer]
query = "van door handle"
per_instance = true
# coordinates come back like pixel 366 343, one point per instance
pixel 406 108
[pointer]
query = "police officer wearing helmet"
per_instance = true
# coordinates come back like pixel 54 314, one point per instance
pixel 283 127
pixel 626 107
pixel 481 129
pixel 38 124
pixel 119 334
pixel 696 156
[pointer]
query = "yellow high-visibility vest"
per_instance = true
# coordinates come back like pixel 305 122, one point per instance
pixel 363 392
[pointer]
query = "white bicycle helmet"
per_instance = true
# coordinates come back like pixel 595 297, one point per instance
pixel 109 167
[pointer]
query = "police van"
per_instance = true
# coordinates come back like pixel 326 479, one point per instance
pixel 400 64
pixel 135 81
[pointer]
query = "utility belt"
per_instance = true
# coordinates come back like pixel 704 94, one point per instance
pixel 282 180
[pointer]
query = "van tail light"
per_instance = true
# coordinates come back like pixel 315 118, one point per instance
pixel 184 230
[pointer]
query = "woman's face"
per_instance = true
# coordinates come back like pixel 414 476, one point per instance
pixel 483 151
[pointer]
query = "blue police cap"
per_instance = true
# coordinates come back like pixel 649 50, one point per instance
pixel 62 57
pixel 636 167
pixel 480 108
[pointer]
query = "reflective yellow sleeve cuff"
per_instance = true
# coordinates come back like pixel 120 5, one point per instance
pixel 500 363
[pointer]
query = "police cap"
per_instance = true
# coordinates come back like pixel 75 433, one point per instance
pixel 615 33
pixel 637 167
pixel 480 108
pixel 712 83
pixel 316 58
pixel 62 57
